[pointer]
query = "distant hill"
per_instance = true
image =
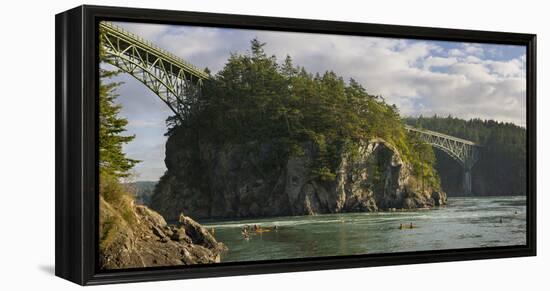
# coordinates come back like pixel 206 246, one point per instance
pixel 143 190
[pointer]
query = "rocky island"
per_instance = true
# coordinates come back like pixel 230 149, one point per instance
pixel 274 140
pixel 235 186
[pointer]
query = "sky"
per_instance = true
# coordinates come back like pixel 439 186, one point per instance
pixel 466 80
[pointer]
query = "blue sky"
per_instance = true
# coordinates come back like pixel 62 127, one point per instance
pixel 421 77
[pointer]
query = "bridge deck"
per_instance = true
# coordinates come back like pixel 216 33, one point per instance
pixel 152 48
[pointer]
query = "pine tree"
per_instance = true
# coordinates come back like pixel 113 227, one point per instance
pixel 112 160
pixel 257 48
pixel 288 70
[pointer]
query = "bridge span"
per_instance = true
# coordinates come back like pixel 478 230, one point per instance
pixel 175 81
pixel 465 152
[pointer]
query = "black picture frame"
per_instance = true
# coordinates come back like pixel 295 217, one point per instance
pixel 76 200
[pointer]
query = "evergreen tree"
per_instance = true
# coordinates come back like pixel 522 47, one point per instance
pixel 112 160
pixel 288 70
pixel 257 49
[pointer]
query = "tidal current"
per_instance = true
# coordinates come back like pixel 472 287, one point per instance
pixel 467 222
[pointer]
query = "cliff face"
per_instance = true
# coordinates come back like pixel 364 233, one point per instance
pixel 140 237
pixel 233 181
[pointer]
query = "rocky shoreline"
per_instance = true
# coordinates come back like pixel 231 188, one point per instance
pixel 150 242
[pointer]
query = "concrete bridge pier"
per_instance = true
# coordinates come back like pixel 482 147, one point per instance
pixel 467 182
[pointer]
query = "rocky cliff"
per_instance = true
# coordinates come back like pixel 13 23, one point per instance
pixel 140 237
pixel 241 180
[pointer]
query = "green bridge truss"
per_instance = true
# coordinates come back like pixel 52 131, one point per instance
pixel 465 152
pixel 175 81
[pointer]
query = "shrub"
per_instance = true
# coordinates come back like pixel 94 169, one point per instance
pixel 118 196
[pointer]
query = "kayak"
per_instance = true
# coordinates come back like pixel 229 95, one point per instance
pixel 262 230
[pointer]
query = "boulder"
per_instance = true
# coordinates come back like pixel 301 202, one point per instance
pixel 439 198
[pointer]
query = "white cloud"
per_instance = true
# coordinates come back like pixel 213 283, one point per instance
pixel 473 72
pixel 511 68
pixel 147 31
pixel 456 53
pixel 473 49
pixel 472 59
pixel 430 62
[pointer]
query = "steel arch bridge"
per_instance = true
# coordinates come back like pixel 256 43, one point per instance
pixel 176 82
pixel 465 152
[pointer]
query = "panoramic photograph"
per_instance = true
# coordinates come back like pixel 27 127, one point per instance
pixel 220 145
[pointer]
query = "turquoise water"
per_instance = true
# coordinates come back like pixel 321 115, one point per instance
pixel 463 223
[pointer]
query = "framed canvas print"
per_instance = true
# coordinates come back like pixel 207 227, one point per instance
pixel 198 144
